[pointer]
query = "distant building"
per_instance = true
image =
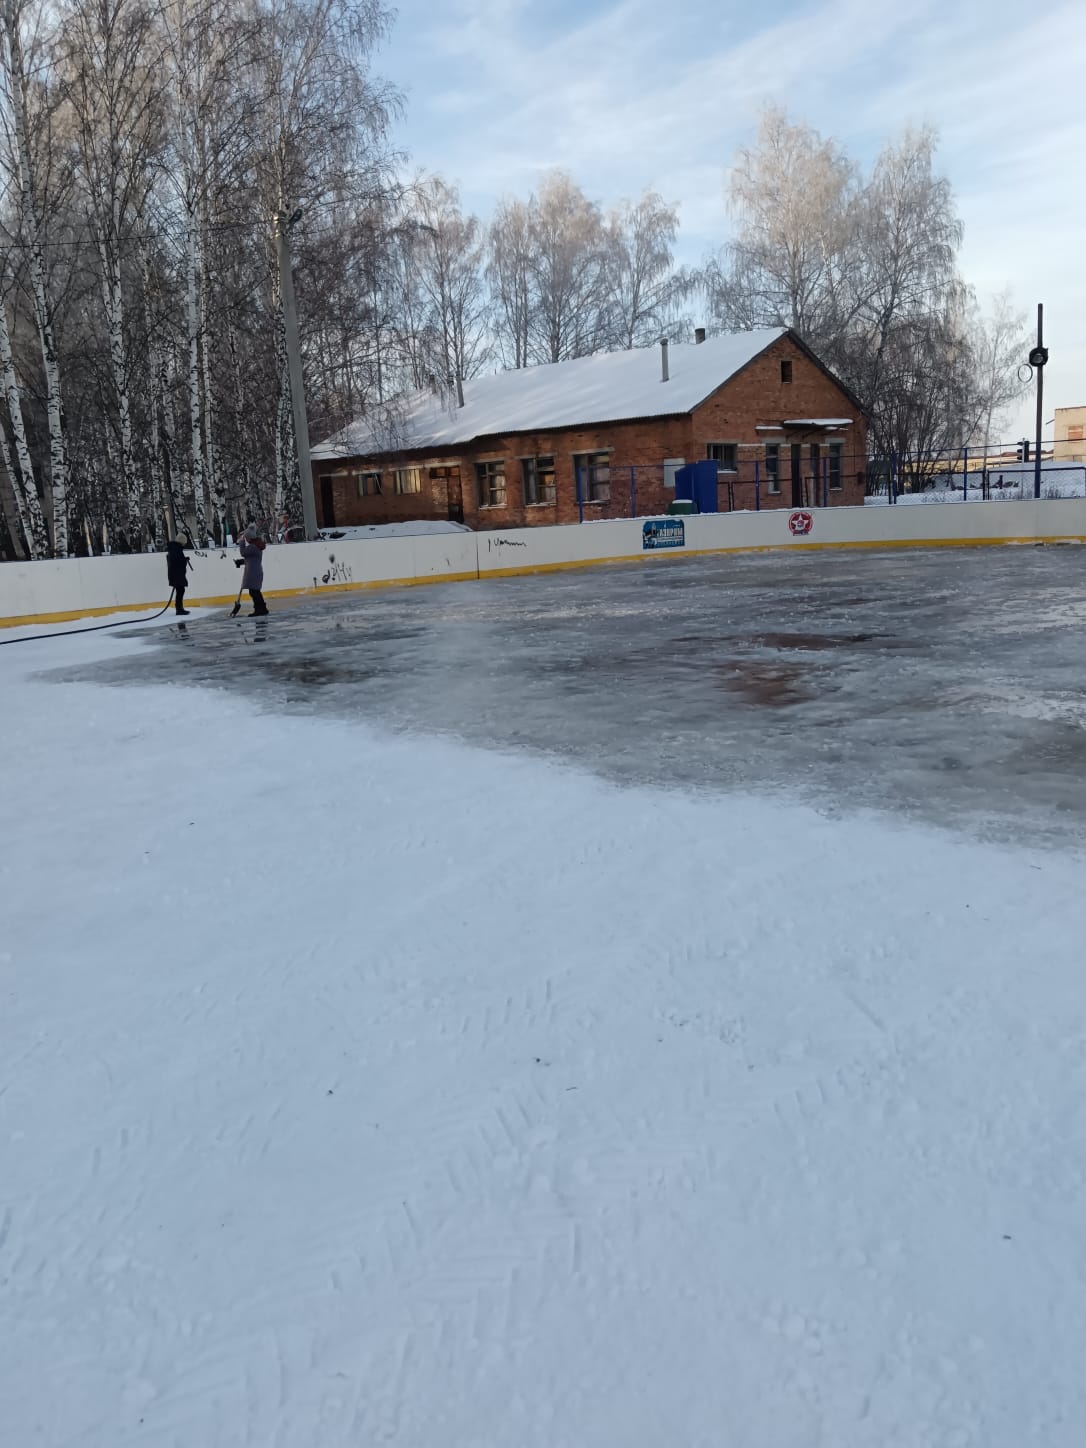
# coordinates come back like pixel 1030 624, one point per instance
pixel 1069 445
pixel 603 436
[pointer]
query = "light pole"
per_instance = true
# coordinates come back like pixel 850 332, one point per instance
pixel 283 224
pixel 1037 359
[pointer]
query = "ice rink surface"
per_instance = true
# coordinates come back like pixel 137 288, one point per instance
pixel 949 685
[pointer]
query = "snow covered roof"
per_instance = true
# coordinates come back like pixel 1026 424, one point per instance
pixel 610 387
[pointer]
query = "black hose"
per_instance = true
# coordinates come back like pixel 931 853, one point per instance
pixel 91 628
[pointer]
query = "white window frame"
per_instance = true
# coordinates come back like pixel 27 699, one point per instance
pixel 721 466
pixel 360 483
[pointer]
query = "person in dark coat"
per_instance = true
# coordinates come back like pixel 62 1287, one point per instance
pixel 177 572
pixel 251 548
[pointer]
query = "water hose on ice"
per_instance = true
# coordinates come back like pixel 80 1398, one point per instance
pixel 91 628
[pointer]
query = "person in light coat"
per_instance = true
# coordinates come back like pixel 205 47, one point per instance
pixel 251 548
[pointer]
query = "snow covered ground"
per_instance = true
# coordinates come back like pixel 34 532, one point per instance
pixel 411 529
pixel 359 1085
pixel 1008 483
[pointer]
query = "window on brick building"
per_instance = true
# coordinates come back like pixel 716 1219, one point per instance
pixel 786 369
pixel 368 485
pixel 491 478
pixel 725 455
pixel 835 450
pixel 539 484
pixel 407 480
pixel 773 466
pixel 594 470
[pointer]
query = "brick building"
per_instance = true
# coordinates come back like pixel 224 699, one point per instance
pixel 602 437
pixel 1069 445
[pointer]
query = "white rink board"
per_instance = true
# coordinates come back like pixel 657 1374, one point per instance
pixel 70 588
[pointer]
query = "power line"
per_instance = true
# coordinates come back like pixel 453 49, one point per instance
pixel 138 237
pixel 50 243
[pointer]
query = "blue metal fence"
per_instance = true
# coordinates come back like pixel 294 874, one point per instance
pixel 792 478
pixel 970 479
pixel 806 477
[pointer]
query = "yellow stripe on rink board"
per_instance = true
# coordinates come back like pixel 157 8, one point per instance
pixel 672 554
pixel 675 554
pixel 28 620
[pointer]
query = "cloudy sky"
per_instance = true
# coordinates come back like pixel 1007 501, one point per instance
pixel 629 94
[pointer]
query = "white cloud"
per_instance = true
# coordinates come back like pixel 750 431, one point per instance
pixel 635 94
pixel 625 98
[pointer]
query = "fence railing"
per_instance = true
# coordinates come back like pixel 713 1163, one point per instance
pixel 744 483
pixel 992 474
pixel 987 486
pixel 786 481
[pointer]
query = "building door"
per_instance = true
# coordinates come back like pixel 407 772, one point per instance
pixel 816 474
pixel 328 503
pixel 456 497
pixel 797 475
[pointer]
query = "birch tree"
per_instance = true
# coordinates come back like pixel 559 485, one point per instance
pixel 20 468
pixel 570 317
pixel 642 280
pixel 794 196
pixel 510 273
pixel 448 260
pixel 908 282
pixel 109 69
pixel 20 162
pixel 1000 341
pixel 866 269
pixel 147 150
pixel 203 48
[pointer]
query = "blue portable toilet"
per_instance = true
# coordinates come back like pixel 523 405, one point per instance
pixel 697 484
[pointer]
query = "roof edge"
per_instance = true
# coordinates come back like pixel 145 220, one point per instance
pixel 435 449
pixel 812 356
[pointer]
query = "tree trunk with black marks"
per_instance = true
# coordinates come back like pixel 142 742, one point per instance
pixel 24 485
pixel 58 450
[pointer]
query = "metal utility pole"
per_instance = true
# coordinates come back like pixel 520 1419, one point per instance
pixel 1037 359
pixel 283 224
pixel 171 516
